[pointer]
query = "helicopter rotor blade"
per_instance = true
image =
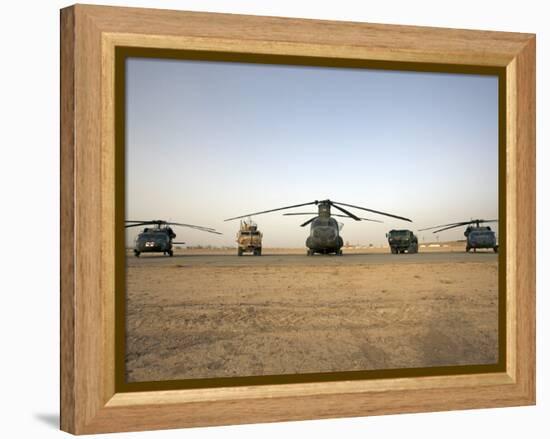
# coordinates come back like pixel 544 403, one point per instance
pixel 372 220
pixel 450 227
pixel 372 210
pixel 453 225
pixel 332 214
pixel 462 223
pixel 139 224
pixel 208 231
pixel 299 213
pixel 272 210
pixel 192 226
pixel 158 222
pixel 465 224
pixel 162 222
pixel 351 215
pixel 308 221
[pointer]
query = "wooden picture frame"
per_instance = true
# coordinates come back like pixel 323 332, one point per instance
pixel 90 36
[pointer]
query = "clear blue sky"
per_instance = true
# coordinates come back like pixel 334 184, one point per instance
pixel 212 140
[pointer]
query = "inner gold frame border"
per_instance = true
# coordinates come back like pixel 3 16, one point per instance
pixel 122 54
pixel 92 400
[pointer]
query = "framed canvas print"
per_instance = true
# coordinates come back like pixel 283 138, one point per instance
pixel 270 219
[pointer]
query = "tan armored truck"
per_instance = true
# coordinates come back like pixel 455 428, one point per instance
pixel 249 239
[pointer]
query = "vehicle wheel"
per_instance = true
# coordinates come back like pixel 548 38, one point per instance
pixel 136 253
pixel 339 252
pixel 310 252
pixel 495 249
pixel 170 253
pixel 239 251
pixel 393 251
pixel 467 249
pixel 260 251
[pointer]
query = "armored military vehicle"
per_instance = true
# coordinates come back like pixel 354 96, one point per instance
pixel 249 239
pixel 402 241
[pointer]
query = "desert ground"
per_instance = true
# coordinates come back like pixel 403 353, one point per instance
pixel 207 313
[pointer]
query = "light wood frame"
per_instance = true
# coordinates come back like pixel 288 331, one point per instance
pixel 89 36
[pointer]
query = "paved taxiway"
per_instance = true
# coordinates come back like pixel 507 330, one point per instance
pixel 148 260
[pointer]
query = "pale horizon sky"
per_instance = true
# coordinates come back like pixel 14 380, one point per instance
pixel 211 140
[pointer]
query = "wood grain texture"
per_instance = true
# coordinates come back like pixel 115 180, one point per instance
pixel 67 253
pixel 525 218
pixel 90 34
pixel 372 41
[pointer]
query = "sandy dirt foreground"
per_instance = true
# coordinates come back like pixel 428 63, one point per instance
pixel 189 318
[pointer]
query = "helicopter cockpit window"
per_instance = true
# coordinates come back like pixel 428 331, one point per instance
pixel 399 232
pixel 157 236
pixel 324 222
pixel 482 231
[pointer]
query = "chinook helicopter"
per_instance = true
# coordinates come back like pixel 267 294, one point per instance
pixel 476 236
pixel 160 237
pixel 324 236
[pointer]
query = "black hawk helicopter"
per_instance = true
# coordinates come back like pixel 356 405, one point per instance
pixel 476 236
pixel 160 237
pixel 324 236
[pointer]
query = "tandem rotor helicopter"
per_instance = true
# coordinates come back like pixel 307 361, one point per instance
pixel 324 236
pixel 160 237
pixel 476 236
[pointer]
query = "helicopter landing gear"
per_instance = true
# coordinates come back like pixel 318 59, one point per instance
pixel 495 249
pixel 310 252
pixel 239 251
pixel 136 253
pixel 467 249
pixel 339 252
pixel 170 253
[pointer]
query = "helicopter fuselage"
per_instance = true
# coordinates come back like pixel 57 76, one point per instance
pixel 324 236
pixel 153 241
pixel 480 238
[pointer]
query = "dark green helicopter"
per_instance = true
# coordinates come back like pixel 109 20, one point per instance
pixel 160 237
pixel 324 236
pixel 476 236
